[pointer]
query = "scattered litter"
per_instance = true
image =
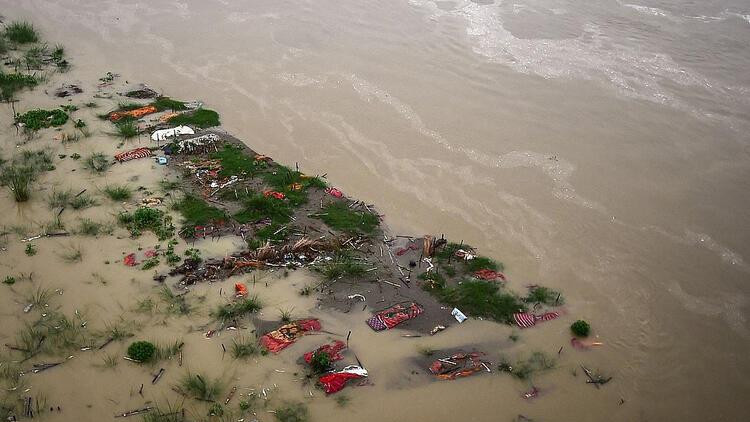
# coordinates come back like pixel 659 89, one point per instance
pixel 134 412
pixel 286 335
pixel 133 154
pixel 27 308
pixel 332 350
pixel 437 329
pixel 39 367
pixel 240 290
pixel 584 344
pixel 531 393
pixel 526 320
pixel 141 92
pixel 161 160
pixel 136 114
pixel 157 376
pixel 336 381
pixel 164 134
pixel 411 247
pixel 334 192
pixel 151 202
pixel 197 145
pixel 130 260
pixel 68 90
pixel 277 195
pixel 460 317
pixel 357 296
pixel 465 255
pixel 395 315
pixel 458 365
pixel 192 105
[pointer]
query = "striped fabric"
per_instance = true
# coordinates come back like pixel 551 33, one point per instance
pixel 133 154
pixel 526 320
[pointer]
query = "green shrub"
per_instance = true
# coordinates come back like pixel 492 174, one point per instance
pixel 21 32
pixel 320 362
pixel 118 193
pixel 145 218
pixel 38 118
pixel 141 351
pixel 10 83
pixel 580 328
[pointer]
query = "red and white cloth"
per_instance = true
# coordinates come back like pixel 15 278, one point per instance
pixel 526 320
pixel 133 154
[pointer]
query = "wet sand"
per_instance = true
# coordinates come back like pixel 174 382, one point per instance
pixel 634 212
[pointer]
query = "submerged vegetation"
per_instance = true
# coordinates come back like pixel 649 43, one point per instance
pixel 147 219
pixel 196 211
pixel 39 118
pixel 200 387
pixel 238 309
pixel 21 32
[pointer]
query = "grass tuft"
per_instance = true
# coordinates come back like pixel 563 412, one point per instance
pixel 39 119
pixel 338 216
pixel 342 265
pixel 145 218
pixel 118 192
pixel 98 162
pixel 243 348
pixel 292 412
pixel 196 211
pixel 202 118
pixel 21 32
pixel 201 388
pixel 238 309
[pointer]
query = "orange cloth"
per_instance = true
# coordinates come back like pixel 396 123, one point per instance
pixel 137 113
pixel 240 289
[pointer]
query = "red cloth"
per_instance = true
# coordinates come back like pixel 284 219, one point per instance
pixel 336 381
pixel 130 260
pixel 284 336
pixel 277 195
pixel 334 192
pixel 412 247
pixel 332 350
pixel 526 320
pixel 133 154
pixel 489 275
pixel 151 253
pixel 240 289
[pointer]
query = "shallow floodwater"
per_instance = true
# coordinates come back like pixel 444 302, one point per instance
pixel 597 147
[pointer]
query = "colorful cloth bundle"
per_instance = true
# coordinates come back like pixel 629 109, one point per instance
pixel 396 314
pixel 526 320
pixel 332 350
pixel 286 335
pixel 336 381
pixel 458 365
pixel 133 154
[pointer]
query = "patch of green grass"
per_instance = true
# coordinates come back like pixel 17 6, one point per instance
pixel 88 227
pixel 340 217
pixel 59 199
pixel 243 348
pixel 238 309
pixel 169 350
pixel 176 304
pixel 271 233
pixel 39 118
pixel 479 299
pixel 9 280
pixel 201 388
pixel 545 296
pixel 150 263
pixel 166 103
pixel 342 265
pixel 320 362
pixel 21 32
pixel 202 118
pixel 110 361
pixel 292 412
pixel 168 413
pixel 30 249
pixel 258 206
pixel 145 218
pixel 33 57
pixel 18 179
pixel 197 212
pixel 98 162
pixel 82 201
pixel 525 369
pixel 234 162
pixel 118 192
pixel 11 83
pixel 482 263
pixel 126 129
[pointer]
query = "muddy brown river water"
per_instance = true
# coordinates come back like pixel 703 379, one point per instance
pixel 599 148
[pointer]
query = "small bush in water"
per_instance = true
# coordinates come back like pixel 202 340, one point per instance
pixel 580 328
pixel 142 351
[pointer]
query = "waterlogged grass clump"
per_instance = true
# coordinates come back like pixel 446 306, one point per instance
pixel 197 211
pixel 201 388
pixel 141 351
pixel 580 328
pixel 39 118
pixel 202 118
pixel 10 83
pixel 292 412
pixel 147 219
pixel 21 32
pixel 238 309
